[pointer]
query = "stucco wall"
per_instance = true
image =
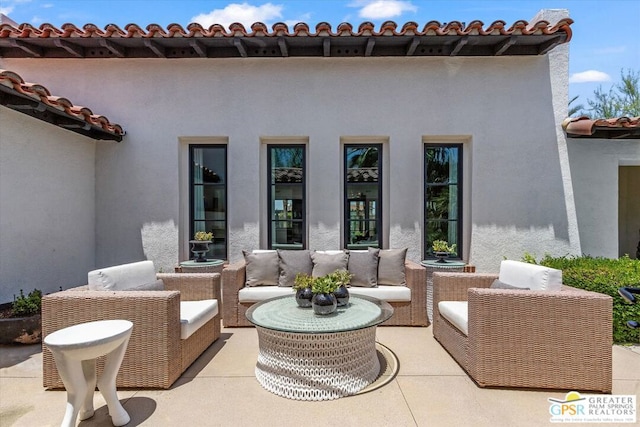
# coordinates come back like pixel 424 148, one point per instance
pixel 629 210
pixel 47 190
pixel 501 108
pixel 595 167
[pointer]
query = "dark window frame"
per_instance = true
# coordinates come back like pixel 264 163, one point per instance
pixel 192 185
pixel 459 214
pixel 346 213
pixel 270 183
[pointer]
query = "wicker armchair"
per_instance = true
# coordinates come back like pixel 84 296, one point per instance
pixel 406 313
pixel 524 338
pixel 156 355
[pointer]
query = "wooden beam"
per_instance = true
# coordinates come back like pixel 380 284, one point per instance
pixel 155 48
pixel 39 107
pixel 504 45
pixel 240 46
pixel 326 46
pixel 73 49
pixel 114 48
pixel 282 43
pixel 411 49
pixel 458 47
pixel 30 49
pixel 198 47
pixel 548 45
pixel 370 45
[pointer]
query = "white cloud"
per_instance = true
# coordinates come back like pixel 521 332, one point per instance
pixel 6 10
pixel 383 9
pixel 244 13
pixel 589 76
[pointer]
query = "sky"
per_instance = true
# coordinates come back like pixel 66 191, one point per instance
pixel 605 43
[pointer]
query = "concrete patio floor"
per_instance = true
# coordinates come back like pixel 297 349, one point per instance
pixel 220 389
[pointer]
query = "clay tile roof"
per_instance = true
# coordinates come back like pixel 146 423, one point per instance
pixel 434 39
pixel 36 100
pixel 616 128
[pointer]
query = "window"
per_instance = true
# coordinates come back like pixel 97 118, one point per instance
pixel 363 194
pixel 208 195
pixel 287 217
pixel 443 196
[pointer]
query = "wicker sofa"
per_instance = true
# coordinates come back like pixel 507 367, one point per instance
pixel 159 349
pixel 409 310
pixel 553 339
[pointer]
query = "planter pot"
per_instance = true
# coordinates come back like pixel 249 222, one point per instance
pixel 21 330
pixel 342 296
pixel 199 248
pixel 324 303
pixel 442 256
pixel 303 297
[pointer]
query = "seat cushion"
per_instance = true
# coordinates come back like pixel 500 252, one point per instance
pixel 384 292
pixel 457 313
pixel 293 262
pixel 363 265
pixel 121 277
pixel 532 276
pixel 261 293
pixel 194 314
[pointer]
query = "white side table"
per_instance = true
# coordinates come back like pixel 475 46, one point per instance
pixel 431 266
pixel 191 266
pixel 75 349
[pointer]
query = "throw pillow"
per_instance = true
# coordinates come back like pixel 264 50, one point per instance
pixel 261 268
pixel 364 267
pixel 158 285
pixel 391 267
pixel 324 263
pixel 292 263
pixel 497 284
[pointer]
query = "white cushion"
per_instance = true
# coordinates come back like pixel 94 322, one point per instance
pixel 386 293
pixel 532 276
pixel 122 277
pixel 261 293
pixel 456 312
pixel 389 293
pixel 331 252
pixel 194 314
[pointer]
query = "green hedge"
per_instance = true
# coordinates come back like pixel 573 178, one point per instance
pixel 605 276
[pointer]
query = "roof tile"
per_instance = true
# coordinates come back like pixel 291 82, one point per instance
pixel 39 93
pixel 614 128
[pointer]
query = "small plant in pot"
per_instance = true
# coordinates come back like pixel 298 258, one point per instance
pixel 343 279
pixel 21 323
pixel 200 245
pixel 302 285
pixel 324 301
pixel 442 250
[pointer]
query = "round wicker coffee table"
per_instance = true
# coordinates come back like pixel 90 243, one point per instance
pixel 305 356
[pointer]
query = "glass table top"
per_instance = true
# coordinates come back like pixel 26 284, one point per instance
pixel 284 314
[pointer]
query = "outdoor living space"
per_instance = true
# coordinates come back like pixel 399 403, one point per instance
pixel 220 388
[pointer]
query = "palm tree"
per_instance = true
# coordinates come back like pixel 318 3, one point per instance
pixel 576 108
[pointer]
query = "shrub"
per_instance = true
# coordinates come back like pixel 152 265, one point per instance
pixel 604 276
pixel 24 306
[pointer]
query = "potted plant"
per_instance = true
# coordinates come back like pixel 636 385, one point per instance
pixel 342 278
pixel 302 285
pixel 200 245
pixel 21 323
pixel 442 249
pixel 324 301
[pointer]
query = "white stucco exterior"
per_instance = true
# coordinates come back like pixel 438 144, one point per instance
pixel 47 215
pixel 518 195
pixel 597 179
